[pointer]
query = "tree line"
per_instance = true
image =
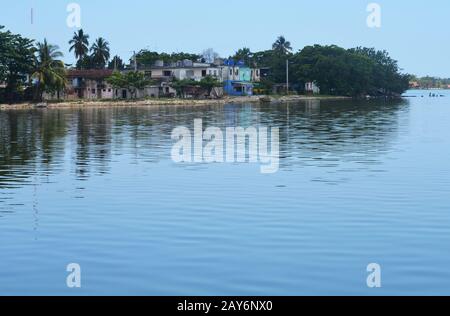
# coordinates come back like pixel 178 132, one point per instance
pixel 337 71
pixel 429 82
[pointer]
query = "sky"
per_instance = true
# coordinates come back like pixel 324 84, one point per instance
pixel 416 33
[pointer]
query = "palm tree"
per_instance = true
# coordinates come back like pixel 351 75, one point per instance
pixel 100 52
pixel 244 54
pixel 80 45
pixel 49 71
pixel 282 46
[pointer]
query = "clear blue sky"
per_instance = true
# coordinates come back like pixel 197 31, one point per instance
pixel 414 32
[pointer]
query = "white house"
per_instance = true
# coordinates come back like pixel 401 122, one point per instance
pixel 182 70
pixel 311 87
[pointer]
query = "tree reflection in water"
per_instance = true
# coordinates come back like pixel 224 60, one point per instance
pixel 322 133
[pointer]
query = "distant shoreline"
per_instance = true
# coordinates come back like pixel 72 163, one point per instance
pixel 169 102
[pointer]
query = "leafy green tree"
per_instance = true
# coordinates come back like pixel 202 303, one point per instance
pixel 136 81
pixel 209 83
pixel 117 80
pixel 265 85
pixel 116 63
pixel 100 53
pixel 16 62
pixel 174 57
pixel 245 55
pixel 148 58
pixel 273 60
pixel 49 71
pixel 386 74
pixel 132 81
pixel 180 86
pixel 354 72
pixel 87 62
pixel 80 46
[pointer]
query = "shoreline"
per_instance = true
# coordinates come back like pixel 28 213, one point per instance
pixel 169 102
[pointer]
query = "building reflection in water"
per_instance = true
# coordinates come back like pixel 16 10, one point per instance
pixel 38 143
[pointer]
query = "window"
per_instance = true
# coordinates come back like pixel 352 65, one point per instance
pixel 190 74
pixel 109 90
pixel 231 72
pixel 203 73
pixel 93 91
pixel 167 73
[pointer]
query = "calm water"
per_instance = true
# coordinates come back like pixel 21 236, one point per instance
pixel 359 182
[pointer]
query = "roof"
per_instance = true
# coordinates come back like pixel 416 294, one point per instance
pixel 240 83
pixel 90 73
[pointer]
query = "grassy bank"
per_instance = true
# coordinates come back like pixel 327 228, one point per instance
pixel 152 102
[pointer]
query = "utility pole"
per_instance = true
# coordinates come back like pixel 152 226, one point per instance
pixel 32 12
pixel 287 76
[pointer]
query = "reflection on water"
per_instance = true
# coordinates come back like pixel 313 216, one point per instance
pixel 359 182
pixel 38 142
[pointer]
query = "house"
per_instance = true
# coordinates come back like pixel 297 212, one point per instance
pixel 312 88
pixel 238 78
pixel 238 88
pixel 194 70
pixel 255 75
pixel 89 84
pixel 181 70
pixel 238 71
pixel 414 85
pixel 163 74
pixel 264 73
pixel 279 88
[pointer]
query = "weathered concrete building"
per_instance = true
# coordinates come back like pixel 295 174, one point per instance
pixel 181 70
pixel 89 84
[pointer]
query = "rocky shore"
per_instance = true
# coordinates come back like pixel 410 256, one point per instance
pixel 168 102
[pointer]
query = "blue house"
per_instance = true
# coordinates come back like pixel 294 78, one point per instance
pixel 237 78
pixel 238 88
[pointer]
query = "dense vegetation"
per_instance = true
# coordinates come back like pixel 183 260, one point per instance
pixel 337 71
pixel 146 58
pixel 27 70
pixel 132 81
